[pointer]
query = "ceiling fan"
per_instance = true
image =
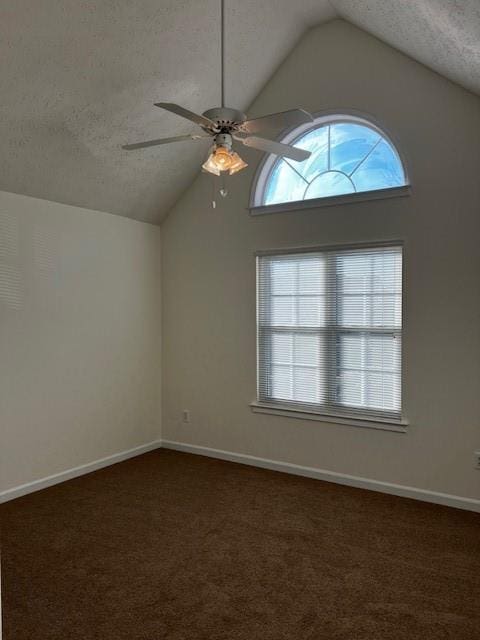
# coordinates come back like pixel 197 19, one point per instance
pixel 224 125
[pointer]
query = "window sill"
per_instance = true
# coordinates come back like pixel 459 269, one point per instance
pixel 315 203
pixel 398 426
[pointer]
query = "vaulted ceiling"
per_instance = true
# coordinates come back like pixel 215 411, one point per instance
pixel 79 77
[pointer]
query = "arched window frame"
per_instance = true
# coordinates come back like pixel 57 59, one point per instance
pixel 267 164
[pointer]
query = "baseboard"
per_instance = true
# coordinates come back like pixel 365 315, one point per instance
pixel 468 504
pixel 43 483
pixel 458 502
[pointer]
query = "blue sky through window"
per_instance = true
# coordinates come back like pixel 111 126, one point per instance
pixel 347 157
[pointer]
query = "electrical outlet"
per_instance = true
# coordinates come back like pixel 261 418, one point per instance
pixel 477 459
pixel 186 416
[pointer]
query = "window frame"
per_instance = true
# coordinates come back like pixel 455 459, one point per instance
pixel 264 170
pixel 334 413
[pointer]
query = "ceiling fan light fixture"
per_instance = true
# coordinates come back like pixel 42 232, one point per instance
pixel 221 159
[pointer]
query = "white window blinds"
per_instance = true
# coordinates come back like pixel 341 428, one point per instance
pixel 329 326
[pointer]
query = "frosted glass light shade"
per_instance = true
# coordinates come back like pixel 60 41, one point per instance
pixel 223 159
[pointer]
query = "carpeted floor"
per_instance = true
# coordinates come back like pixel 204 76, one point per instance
pixel 175 546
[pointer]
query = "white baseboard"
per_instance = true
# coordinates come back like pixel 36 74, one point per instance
pixel 446 499
pixel 43 483
pixel 468 504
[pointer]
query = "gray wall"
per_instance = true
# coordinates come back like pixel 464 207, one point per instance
pixel 209 276
pixel 79 337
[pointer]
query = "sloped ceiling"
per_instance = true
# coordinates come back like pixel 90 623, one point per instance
pixel 442 34
pixel 79 77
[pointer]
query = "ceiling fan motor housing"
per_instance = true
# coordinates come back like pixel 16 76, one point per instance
pixel 225 118
pixel 223 140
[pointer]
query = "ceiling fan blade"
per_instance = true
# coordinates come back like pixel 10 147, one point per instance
pixel 276 121
pixel 154 143
pixel 202 121
pixel 270 146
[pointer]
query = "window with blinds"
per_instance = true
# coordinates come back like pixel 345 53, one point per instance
pixel 329 326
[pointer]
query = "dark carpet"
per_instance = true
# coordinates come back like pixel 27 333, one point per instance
pixel 171 545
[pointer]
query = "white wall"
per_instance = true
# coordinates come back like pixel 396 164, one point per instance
pixel 79 337
pixel 209 276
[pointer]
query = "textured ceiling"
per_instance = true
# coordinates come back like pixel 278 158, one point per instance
pixel 79 77
pixel 443 34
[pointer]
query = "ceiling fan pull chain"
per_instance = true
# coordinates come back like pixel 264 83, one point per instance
pixel 214 204
pixel 223 188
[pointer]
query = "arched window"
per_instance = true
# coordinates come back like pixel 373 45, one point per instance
pixel 348 155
